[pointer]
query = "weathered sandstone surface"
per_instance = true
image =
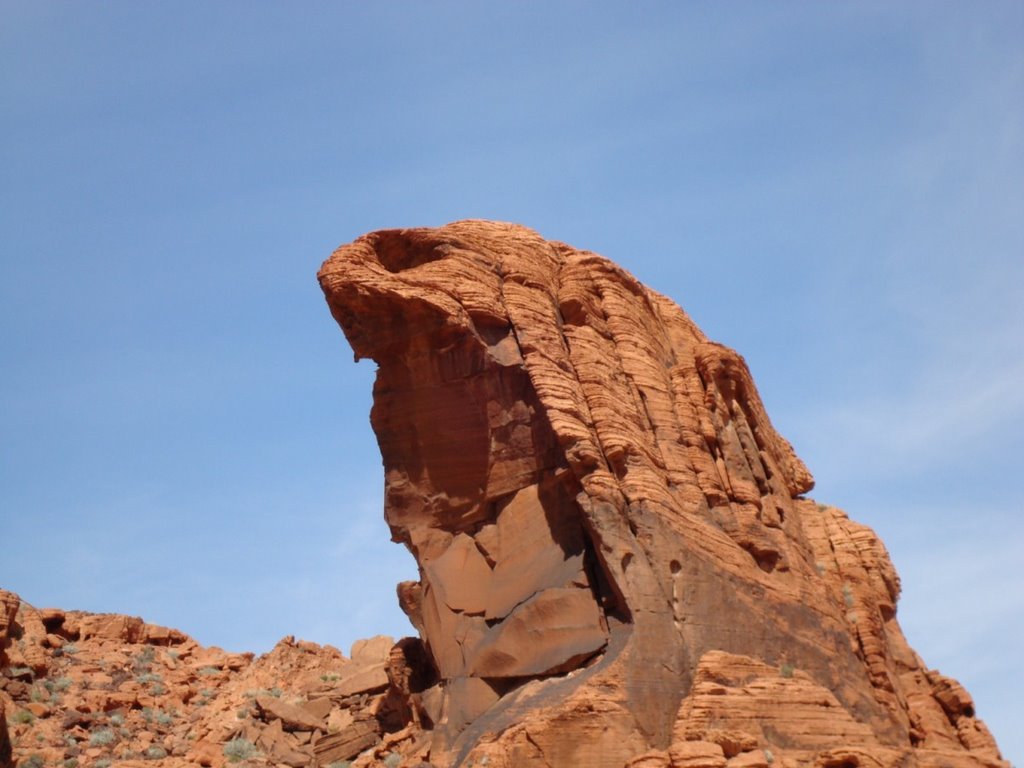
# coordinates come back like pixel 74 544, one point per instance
pixel 618 563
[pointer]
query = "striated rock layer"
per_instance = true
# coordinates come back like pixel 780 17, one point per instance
pixel 618 565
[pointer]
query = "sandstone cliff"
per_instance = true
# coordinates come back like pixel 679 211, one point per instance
pixel 618 563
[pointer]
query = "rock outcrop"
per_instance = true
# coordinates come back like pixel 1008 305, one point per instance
pixel 618 563
pixel 84 690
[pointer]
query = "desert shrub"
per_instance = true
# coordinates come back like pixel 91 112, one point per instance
pixel 102 738
pixel 239 749
pixel 209 671
pixel 156 753
pixel 393 760
pixel 23 717
pixel 55 685
pixel 32 761
pixel 101 763
pixel 786 670
pixel 148 677
pixel 117 719
pixel 69 648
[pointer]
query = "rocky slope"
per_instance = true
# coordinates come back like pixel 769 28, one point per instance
pixel 619 565
pixel 84 690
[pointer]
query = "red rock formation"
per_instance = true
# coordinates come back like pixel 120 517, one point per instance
pixel 618 565
pixel 87 689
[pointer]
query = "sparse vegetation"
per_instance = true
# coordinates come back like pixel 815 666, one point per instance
pixel 393 760
pixel 32 761
pixel 252 693
pixel 148 677
pixel 55 685
pixel 239 749
pixel 102 738
pixel 209 671
pixel 786 670
pixel 70 648
pixel 71 762
pixel 769 757
pixel 117 719
pixel 101 763
pixel 23 717
pixel 156 753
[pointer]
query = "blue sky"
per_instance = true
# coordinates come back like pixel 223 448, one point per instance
pixel 833 189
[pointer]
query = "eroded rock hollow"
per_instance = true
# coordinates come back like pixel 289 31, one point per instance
pixel 618 565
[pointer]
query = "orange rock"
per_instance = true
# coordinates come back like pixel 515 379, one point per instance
pixel 5 738
pixel 292 717
pixel 599 503
pixel 696 754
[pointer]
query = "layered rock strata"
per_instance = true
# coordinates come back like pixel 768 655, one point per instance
pixel 618 564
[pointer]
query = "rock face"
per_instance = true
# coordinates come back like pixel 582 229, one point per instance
pixel 617 561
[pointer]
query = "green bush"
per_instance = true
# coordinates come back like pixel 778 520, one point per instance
pixel 156 753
